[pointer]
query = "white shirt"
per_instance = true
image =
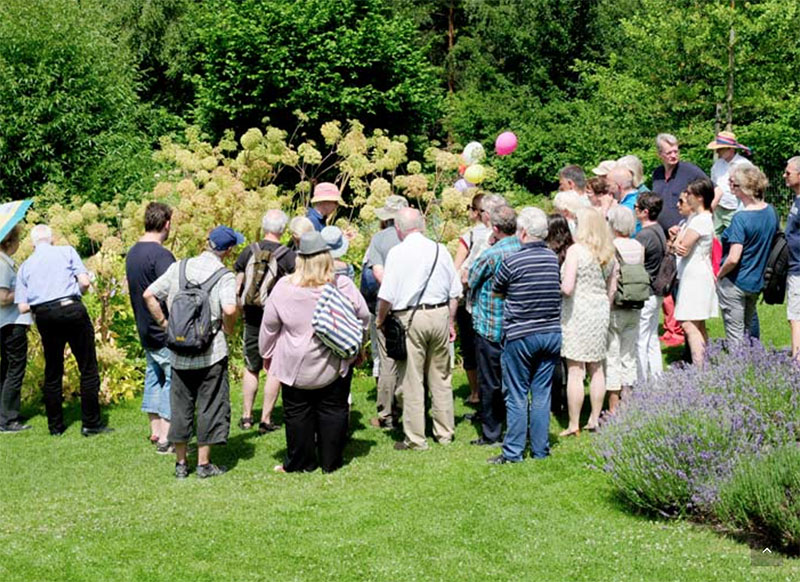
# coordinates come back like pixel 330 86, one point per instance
pixel 407 267
pixel 720 176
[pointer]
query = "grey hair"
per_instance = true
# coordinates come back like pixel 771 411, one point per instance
pixel 274 221
pixel 575 174
pixel 492 201
pixel 300 225
pixel 533 221
pixel 622 177
pixel 409 219
pixel 568 200
pixel 41 233
pixel 621 220
pixel 665 138
pixel 634 164
pixel 504 218
pixel 794 162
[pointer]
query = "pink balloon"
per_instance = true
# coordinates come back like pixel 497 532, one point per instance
pixel 505 143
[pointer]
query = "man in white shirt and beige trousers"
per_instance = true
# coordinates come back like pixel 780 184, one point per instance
pixel 428 363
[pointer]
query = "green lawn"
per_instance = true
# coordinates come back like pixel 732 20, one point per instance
pixel 109 508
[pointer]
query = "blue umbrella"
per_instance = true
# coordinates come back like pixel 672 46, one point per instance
pixel 11 213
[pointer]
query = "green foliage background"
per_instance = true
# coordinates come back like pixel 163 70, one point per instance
pixel 87 87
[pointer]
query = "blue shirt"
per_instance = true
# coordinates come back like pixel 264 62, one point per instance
pixel 530 280
pixel 316 218
pixel 754 230
pixel 793 237
pixel 670 190
pixel 629 202
pixel 49 273
pixel 487 306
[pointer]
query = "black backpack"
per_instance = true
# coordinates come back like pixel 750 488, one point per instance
pixel 189 328
pixel 777 268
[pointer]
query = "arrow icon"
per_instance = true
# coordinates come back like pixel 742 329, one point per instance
pixel 766 551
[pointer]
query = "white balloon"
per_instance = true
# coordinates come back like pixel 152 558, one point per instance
pixel 473 152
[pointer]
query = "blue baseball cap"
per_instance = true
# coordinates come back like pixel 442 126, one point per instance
pixel 223 238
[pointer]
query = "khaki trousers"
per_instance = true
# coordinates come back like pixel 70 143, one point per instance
pixel 387 374
pixel 428 362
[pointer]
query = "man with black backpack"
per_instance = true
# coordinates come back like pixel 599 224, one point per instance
pixel 258 268
pixel 201 298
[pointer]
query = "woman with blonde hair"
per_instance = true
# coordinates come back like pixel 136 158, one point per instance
pixel 585 280
pixel 746 246
pixel 315 381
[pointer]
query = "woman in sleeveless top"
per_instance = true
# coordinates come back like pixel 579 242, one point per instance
pixel 585 277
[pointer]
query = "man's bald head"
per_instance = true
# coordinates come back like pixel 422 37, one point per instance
pixel 622 178
pixel 409 220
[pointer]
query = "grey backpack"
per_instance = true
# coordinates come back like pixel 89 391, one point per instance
pixel 189 328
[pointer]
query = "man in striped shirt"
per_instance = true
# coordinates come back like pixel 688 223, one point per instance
pixel 530 282
pixel 487 320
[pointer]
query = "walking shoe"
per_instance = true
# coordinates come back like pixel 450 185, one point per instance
pixel 14 426
pixel 484 442
pixel 499 460
pixel 210 470
pixel 93 431
pixel 265 427
pixel 165 448
pixel 381 423
pixel 181 470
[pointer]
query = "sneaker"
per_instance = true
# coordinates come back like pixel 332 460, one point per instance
pixel 210 470
pixel 165 448
pixel 14 426
pixel 181 470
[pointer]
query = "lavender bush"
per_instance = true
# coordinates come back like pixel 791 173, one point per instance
pixel 763 497
pixel 681 436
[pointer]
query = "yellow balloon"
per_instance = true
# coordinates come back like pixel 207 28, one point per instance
pixel 475 174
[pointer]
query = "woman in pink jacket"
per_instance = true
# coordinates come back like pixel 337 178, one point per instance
pixel 315 381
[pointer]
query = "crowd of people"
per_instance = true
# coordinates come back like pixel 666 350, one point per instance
pixel 539 301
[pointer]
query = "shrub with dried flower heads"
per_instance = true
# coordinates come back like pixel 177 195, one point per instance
pixel 235 183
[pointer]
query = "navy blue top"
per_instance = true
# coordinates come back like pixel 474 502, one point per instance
pixel 146 262
pixel 793 237
pixel 316 218
pixel 530 280
pixel 754 230
pixel 670 190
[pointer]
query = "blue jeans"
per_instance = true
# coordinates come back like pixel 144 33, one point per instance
pixel 528 364
pixel 157 377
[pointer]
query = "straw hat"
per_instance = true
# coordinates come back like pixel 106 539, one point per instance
pixel 726 139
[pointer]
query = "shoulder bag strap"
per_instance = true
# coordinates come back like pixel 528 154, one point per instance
pixel 209 283
pixel 182 280
pixel 425 286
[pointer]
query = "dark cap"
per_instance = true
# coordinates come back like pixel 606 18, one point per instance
pixel 223 238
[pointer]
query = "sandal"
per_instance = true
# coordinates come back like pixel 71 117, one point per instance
pixel 265 427
pixel 246 422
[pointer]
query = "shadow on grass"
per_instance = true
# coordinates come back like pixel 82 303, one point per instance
pixel 238 448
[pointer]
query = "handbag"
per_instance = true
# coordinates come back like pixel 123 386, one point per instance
pixel 335 323
pixel 393 329
pixel 664 282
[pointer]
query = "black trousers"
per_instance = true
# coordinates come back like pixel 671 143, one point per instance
pixel 466 334
pixel 316 426
pixel 60 325
pixel 13 360
pixel 490 382
pixel 206 390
